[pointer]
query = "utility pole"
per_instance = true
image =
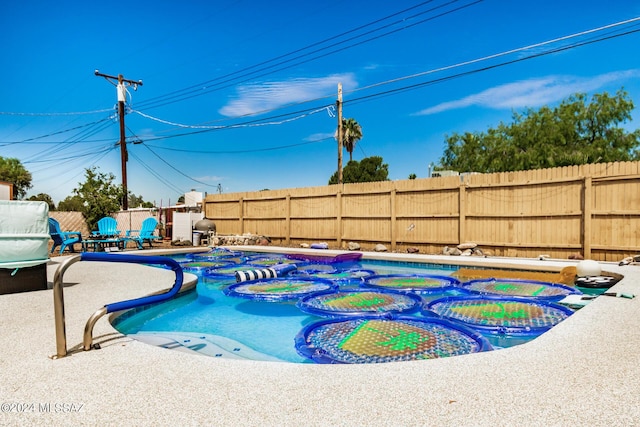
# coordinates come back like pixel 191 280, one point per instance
pixel 122 97
pixel 340 130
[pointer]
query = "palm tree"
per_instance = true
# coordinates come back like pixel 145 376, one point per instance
pixel 351 134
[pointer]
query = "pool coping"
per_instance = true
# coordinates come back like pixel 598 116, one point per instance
pixel 583 371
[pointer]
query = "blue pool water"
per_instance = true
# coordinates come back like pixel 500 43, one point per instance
pixel 212 323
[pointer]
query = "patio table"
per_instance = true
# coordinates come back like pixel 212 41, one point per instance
pixel 99 243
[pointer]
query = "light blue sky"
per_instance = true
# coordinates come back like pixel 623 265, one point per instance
pixel 236 95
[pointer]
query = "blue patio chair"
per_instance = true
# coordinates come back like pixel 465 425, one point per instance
pixel 64 239
pixel 145 234
pixel 107 227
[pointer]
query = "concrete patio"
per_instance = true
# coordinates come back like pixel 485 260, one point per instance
pixel 585 371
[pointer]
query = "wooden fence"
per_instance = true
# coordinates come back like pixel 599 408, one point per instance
pixel 593 210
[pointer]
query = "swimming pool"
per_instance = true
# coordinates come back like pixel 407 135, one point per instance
pixel 218 320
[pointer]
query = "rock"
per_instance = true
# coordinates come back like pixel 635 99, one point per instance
pixel 412 250
pixel 466 252
pixel 380 248
pixel 263 241
pixel 181 243
pixel 463 246
pixel 451 251
pixel 576 256
pixel 353 246
pixel 477 252
pixel 304 245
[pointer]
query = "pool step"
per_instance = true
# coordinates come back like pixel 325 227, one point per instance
pixel 204 344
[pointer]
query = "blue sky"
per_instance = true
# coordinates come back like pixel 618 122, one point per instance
pixel 237 95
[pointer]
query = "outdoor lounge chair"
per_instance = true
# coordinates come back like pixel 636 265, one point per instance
pixel 61 238
pixel 107 227
pixel 145 234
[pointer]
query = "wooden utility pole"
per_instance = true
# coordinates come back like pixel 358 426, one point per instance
pixel 340 132
pixel 122 97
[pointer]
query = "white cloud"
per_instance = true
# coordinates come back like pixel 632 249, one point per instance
pixel 532 93
pixel 319 136
pixel 265 96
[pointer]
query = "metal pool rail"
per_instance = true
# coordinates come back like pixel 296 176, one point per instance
pixel 58 294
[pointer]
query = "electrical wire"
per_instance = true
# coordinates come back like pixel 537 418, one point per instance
pixel 78 113
pixel 203 88
pixel 489 67
pixel 175 169
pixel 155 174
pixel 80 170
pixel 57 133
pixel 255 150
pixel 255 124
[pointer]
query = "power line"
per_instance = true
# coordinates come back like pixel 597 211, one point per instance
pixel 255 150
pixel 501 54
pixel 78 113
pixel 99 157
pixel 203 88
pixel 199 85
pixel 157 175
pixel 57 133
pixel 175 169
pixel 254 124
pixel 489 67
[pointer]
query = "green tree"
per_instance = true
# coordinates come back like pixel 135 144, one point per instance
pixel 575 132
pixel 351 134
pixel 138 202
pixel 12 171
pixel 43 197
pixel 71 204
pixel 99 196
pixel 412 176
pixel 369 169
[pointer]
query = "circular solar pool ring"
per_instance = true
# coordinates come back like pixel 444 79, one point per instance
pixel 374 340
pixel 343 258
pixel 502 315
pixel 377 303
pixel 269 260
pixel 214 254
pixel 198 265
pixel 316 268
pixel 419 283
pixel 279 289
pixel 355 276
pixel 520 288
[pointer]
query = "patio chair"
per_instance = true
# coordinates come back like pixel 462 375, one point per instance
pixel 145 234
pixel 107 227
pixel 61 238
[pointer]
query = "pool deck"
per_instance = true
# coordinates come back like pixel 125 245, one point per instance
pixel 585 371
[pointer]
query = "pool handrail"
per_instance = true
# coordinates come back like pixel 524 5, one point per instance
pixel 58 294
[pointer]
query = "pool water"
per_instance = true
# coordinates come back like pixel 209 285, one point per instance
pixel 207 321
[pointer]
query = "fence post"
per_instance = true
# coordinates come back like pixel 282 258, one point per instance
pixel 586 217
pixel 339 217
pixel 287 223
pixel 392 200
pixel 241 215
pixel 462 211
